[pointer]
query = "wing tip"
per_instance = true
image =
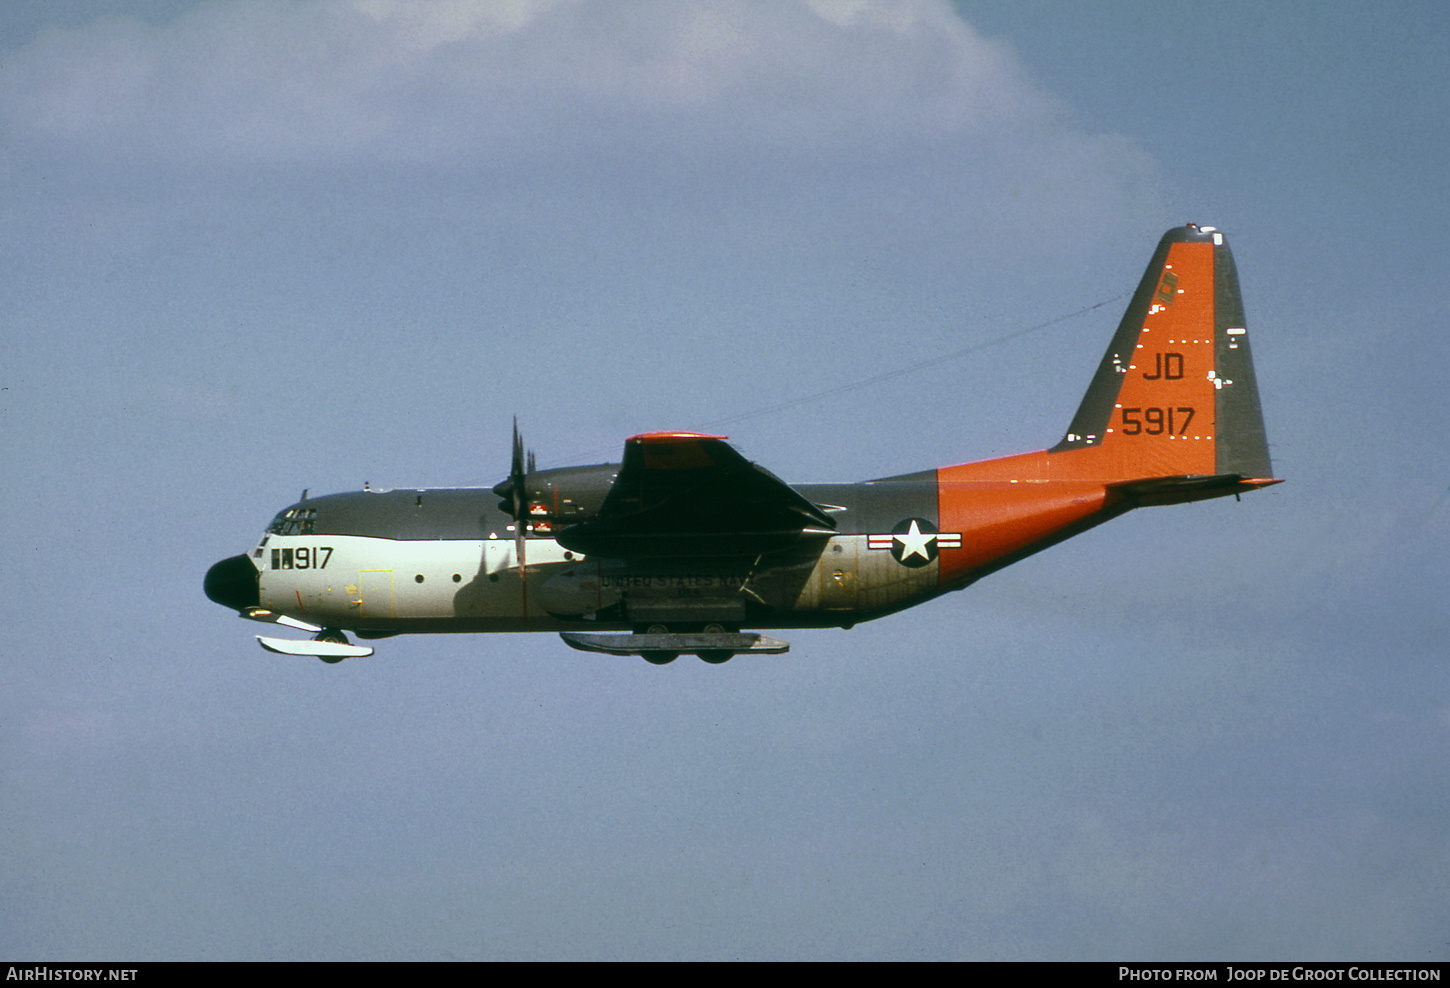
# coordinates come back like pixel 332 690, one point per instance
pixel 664 437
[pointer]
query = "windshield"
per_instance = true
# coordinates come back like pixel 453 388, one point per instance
pixel 293 521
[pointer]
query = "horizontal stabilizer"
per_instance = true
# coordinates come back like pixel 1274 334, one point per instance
pixel 1180 490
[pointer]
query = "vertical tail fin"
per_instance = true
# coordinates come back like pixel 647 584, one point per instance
pixel 1171 416
pixel 1175 394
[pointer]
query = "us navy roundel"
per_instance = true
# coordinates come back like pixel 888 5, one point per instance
pixel 915 542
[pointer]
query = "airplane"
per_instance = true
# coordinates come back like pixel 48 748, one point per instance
pixel 685 544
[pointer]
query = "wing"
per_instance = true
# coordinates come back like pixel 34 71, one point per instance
pixel 685 494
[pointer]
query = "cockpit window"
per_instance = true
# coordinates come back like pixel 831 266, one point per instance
pixel 293 521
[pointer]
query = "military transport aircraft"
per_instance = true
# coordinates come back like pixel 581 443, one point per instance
pixel 685 544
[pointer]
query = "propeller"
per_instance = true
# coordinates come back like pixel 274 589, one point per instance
pixel 518 489
pixel 513 495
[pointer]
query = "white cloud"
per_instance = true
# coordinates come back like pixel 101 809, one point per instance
pixel 327 79
pixel 791 129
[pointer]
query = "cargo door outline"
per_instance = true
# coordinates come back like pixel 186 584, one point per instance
pixel 375 589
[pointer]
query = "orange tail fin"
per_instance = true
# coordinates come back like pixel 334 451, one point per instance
pixel 1174 397
pixel 1172 415
pixel 1175 394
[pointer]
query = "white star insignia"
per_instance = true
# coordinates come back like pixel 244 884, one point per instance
pixel 914 542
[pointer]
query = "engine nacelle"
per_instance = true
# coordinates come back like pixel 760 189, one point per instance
pixel 560 496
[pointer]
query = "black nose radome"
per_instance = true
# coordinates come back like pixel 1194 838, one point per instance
pixel 233 583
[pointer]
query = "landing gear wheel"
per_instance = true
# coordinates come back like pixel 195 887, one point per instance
pixel 715 656
pixel 658 656
pixel 334 636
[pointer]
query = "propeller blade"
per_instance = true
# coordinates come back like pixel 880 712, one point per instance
pixel 518 486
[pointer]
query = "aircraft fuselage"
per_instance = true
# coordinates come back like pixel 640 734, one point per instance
pixel 686 543
pixel 382 562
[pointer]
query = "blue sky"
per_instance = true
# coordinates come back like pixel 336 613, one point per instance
pixel 249 247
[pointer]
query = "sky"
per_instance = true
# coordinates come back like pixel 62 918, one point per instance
pixel 249 247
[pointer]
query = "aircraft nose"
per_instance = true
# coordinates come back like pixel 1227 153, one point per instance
pixel 233 583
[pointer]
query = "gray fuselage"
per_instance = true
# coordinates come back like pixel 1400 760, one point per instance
pixel 445 559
